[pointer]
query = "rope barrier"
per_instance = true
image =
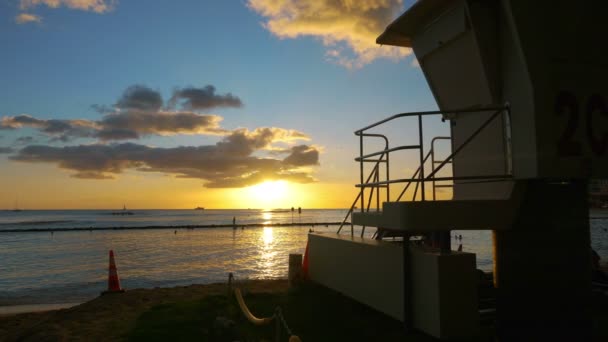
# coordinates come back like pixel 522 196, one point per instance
pixel 247 313
pixel 277 317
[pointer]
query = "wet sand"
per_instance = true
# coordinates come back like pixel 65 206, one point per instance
pixel 110 317
pixel 17 309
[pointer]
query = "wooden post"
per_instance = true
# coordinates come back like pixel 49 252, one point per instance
pixel 295 269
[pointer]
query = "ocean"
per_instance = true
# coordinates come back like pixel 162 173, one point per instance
pixel 63 266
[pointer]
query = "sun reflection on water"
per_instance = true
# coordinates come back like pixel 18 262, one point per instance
pixel 267 217
pixel 267 236
pixel 268 263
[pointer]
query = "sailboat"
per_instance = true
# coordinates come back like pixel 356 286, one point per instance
pixel 123 211
pixel 17 210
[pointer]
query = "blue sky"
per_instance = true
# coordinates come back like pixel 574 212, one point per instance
pixel 72 58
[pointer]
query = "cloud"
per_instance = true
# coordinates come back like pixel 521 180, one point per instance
pixel 141 98
pixel 135 123
pixel 228 163
pixel 244 142
pixel 348 28
pixel 203 98
pixel 132 124
pixel 138 112
pixel 5 150
pixel 24 18
pixel 240 158
pixel 97 6
pixel 63 130
pixel 302 155
pixel 24 140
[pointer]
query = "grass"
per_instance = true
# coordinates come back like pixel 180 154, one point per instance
pixel 313 313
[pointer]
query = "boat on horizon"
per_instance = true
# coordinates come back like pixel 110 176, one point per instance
pixel 199 208
pixel 123 211
pixel 17 210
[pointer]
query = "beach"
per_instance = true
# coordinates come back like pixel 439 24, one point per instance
pixel 110 317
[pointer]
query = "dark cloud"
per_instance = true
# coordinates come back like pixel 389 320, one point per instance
pixel 130 124
pixel 24 140
pixel 63 130
pixel 302 155
pixel 203 98
pixel 137 113
pixel 140 97
pixel 242 157
pixel 134 123
pixel 21 120
pixel 229 163
pixel 243 142
pixel 5 150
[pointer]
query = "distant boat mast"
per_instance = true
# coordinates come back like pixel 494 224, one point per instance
pixel 17 205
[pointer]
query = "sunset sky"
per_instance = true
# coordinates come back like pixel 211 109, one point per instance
pixel 177 104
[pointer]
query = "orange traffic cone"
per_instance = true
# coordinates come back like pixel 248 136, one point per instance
pixel 113 281
pixel 305 263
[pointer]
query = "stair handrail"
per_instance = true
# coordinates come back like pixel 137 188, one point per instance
pixel 432 175
pixel 374 170
pixel 476 109
pixel 421 179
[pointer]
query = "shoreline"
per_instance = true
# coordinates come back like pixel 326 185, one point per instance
pixel 11 310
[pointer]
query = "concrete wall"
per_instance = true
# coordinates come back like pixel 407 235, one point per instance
pixel 444 293
pixel 369 271
pixel 443 286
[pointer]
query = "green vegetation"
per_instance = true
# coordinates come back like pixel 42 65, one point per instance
pixel 313 313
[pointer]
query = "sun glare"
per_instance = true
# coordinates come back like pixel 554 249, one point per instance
pixel 269 194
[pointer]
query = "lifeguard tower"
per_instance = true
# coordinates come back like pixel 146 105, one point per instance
pixel 523 85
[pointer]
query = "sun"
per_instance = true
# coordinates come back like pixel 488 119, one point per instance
pixel 269 194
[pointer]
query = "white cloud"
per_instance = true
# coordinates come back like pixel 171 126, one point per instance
pixel 24 18
pixel 348 28
pixel 97 6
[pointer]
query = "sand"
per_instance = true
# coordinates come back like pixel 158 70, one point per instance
pixel 110 317
pixel 17 309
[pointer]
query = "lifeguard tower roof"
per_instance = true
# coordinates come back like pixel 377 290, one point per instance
pixel 422 12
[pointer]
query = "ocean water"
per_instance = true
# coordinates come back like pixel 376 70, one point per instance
pixel 71 266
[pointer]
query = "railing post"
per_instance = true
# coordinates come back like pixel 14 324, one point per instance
pixel 378 189
pixel 361 178
pixel 421 156
pixel 433 165
pixel 388 185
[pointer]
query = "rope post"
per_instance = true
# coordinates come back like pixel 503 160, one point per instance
pixel 294 275
pixel 277 324
pixel 230 283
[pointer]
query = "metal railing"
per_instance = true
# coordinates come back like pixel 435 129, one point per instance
pixel 418 177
